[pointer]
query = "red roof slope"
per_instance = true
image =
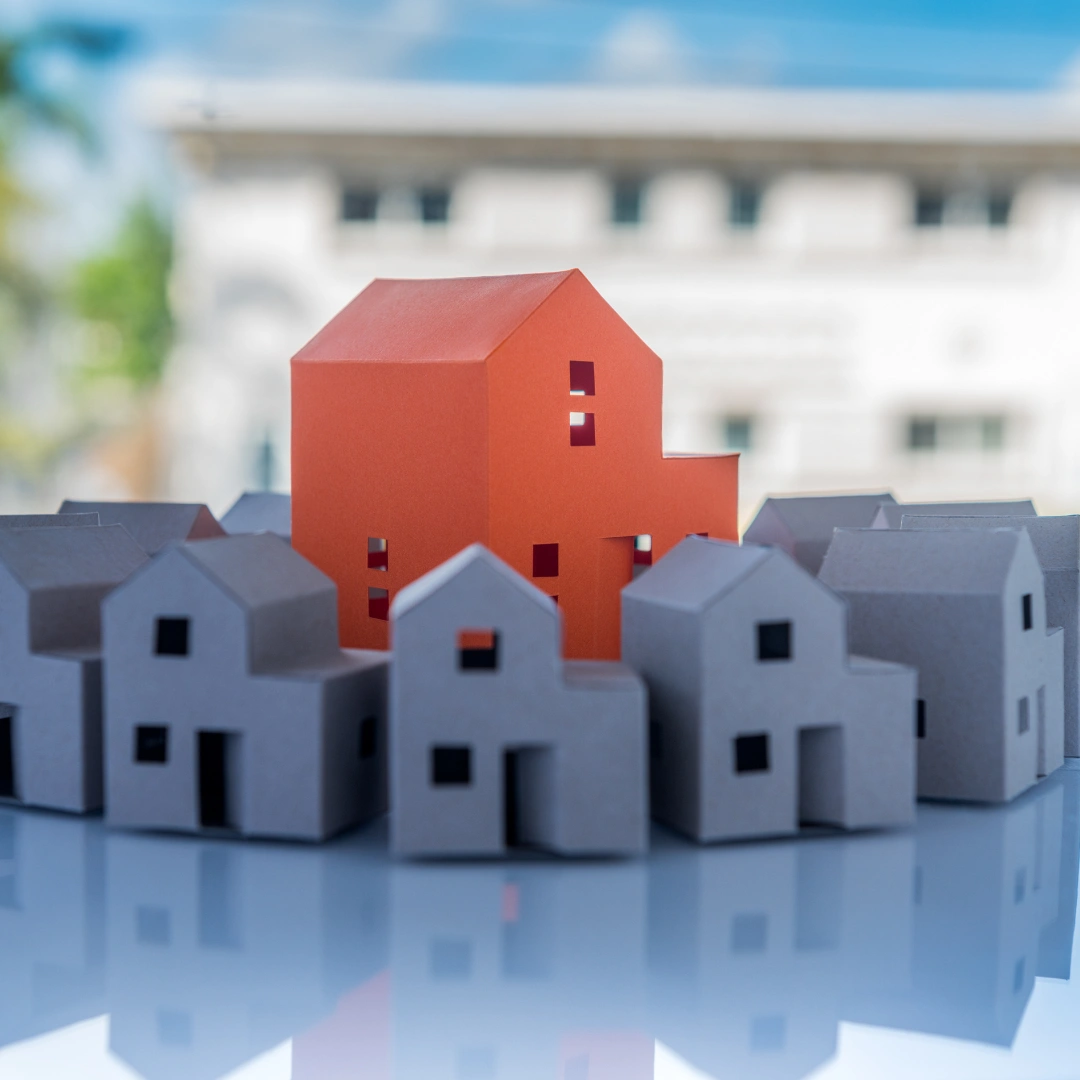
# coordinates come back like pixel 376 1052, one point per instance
pixel 451 319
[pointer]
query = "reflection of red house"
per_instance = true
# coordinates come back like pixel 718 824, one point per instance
pixel 520 412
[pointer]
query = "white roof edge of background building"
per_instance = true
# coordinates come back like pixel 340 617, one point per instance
pixel 310 106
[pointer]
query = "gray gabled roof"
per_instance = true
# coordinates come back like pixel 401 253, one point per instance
pixel 888 517
pixel 419 590
pixel 258 569
pixel 945 561
pixel 41 521
pixel 813 517
pixel 1056 539
pixel 696 571
pixel 57 558
pixel 260 511
pixel 153 525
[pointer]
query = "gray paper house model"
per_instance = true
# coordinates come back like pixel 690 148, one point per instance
pixel 1057 545
pixel 152 525
pixel 260 511
pixel 803 525
pixel 889 515
pixel 52 583
pixel 759 718
pixel 496 740
pixel 967 608
pixel 229 704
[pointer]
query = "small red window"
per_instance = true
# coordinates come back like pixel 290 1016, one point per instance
pixel 377 554
pixel 582 429
pixel 582 380
pixel 378 604
pixel 545 560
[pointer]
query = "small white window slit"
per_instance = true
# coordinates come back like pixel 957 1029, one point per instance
pixel 577 419
pixel 577 393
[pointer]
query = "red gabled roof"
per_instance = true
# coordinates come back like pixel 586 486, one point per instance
pixel 431 319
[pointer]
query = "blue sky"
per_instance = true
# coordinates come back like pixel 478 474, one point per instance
pixel 937 43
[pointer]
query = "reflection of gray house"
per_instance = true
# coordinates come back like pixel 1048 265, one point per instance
pixel 52 583
pixel 1057 545
pixel 967 608
pixel 260 511
pixel 229 703
pixel 890 515
pixel 497 741
pixel 760 719
pixel 803 525
pixel 153 525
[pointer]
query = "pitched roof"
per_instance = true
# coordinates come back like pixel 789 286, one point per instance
pixel 259 511
pixel 813 517
pixel 888 516
pixel 153 525
pixel 56 558
pixel 258 569
pixel 696 571
pixel 40 521
pixel 945 561
pixel 1056 539
pixel 452 319
pixel 419 590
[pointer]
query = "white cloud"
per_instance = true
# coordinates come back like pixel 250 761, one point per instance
pixel 643 47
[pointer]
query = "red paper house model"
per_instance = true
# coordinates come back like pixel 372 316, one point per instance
pixel 520 412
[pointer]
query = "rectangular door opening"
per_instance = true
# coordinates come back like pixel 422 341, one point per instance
pixel 528 797
pixel 7 753
pixel 218 760
pixel 821 775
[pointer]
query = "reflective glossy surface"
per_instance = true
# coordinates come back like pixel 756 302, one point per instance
pixel 124 955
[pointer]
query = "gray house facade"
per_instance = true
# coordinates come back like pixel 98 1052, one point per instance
pixel 967 609
pixel 230 705
pixel 497 742
pixel 52 583
pixel 759 719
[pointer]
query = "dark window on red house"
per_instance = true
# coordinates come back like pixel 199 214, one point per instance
pixel 545 560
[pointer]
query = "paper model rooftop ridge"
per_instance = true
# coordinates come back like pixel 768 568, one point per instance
pixel 519 412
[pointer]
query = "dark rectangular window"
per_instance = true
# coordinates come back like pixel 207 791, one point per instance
pixel 999 209
pixel 582 378
pixel 7 757
pixel 369 734
pixel 359 204
pixel 545 560
pixel 171 637
pixel 152 744
pixel 377 554
pixel 920 718
pixel 451 766
pixel 738 433
pixel 378 604
pixel 626 202
pixel 1029 620
pixel 744 208
pixel 478 650
pixel 929 211
pixel 922 433
pixel 1023 715
pixel 656 740
pixel 582 429
pixel 434 205
pixel 774 640
pixel 752 753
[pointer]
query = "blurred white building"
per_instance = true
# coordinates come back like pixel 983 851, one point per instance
pixel 856 290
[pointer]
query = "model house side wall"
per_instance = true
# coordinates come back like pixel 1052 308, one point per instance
pixel 14 624
pixel 386 451
pixel 66 617
pixel 295 632
pixel 664 646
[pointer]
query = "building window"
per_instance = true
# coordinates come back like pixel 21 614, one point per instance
pixel 929 210
pixel 642 554
pixel 369 736
pixel 377 554
pixel 582 429
pixel 434 205
pixel 626 202
pixel 378 604
pixel 582 378
pixel 359 204
pixel 935 207
pixel 171 637
pixel 774 641
pixel 1023 715
pixel 478 650
pixel 1025 604
pixel 152 744
pixel 545 560
pixel 656 740
pixel 737 433
pixel 920 718
pixel 955 433
pixel 451 766
pixel 744 206
pixel 752 753
pixel 999 209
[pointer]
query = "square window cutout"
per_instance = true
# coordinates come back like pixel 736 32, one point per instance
pixel 582 379
pixel 582 429
pixel 545 560
pixel 171 636
pixel 369 734
pixel 774 640
pixel 478 650
pixel 378 604
pixel 451 766
pixel 377 555
pixel 152 744
pixel 752 753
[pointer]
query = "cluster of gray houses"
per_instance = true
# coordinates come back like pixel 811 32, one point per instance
pixel 852 654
